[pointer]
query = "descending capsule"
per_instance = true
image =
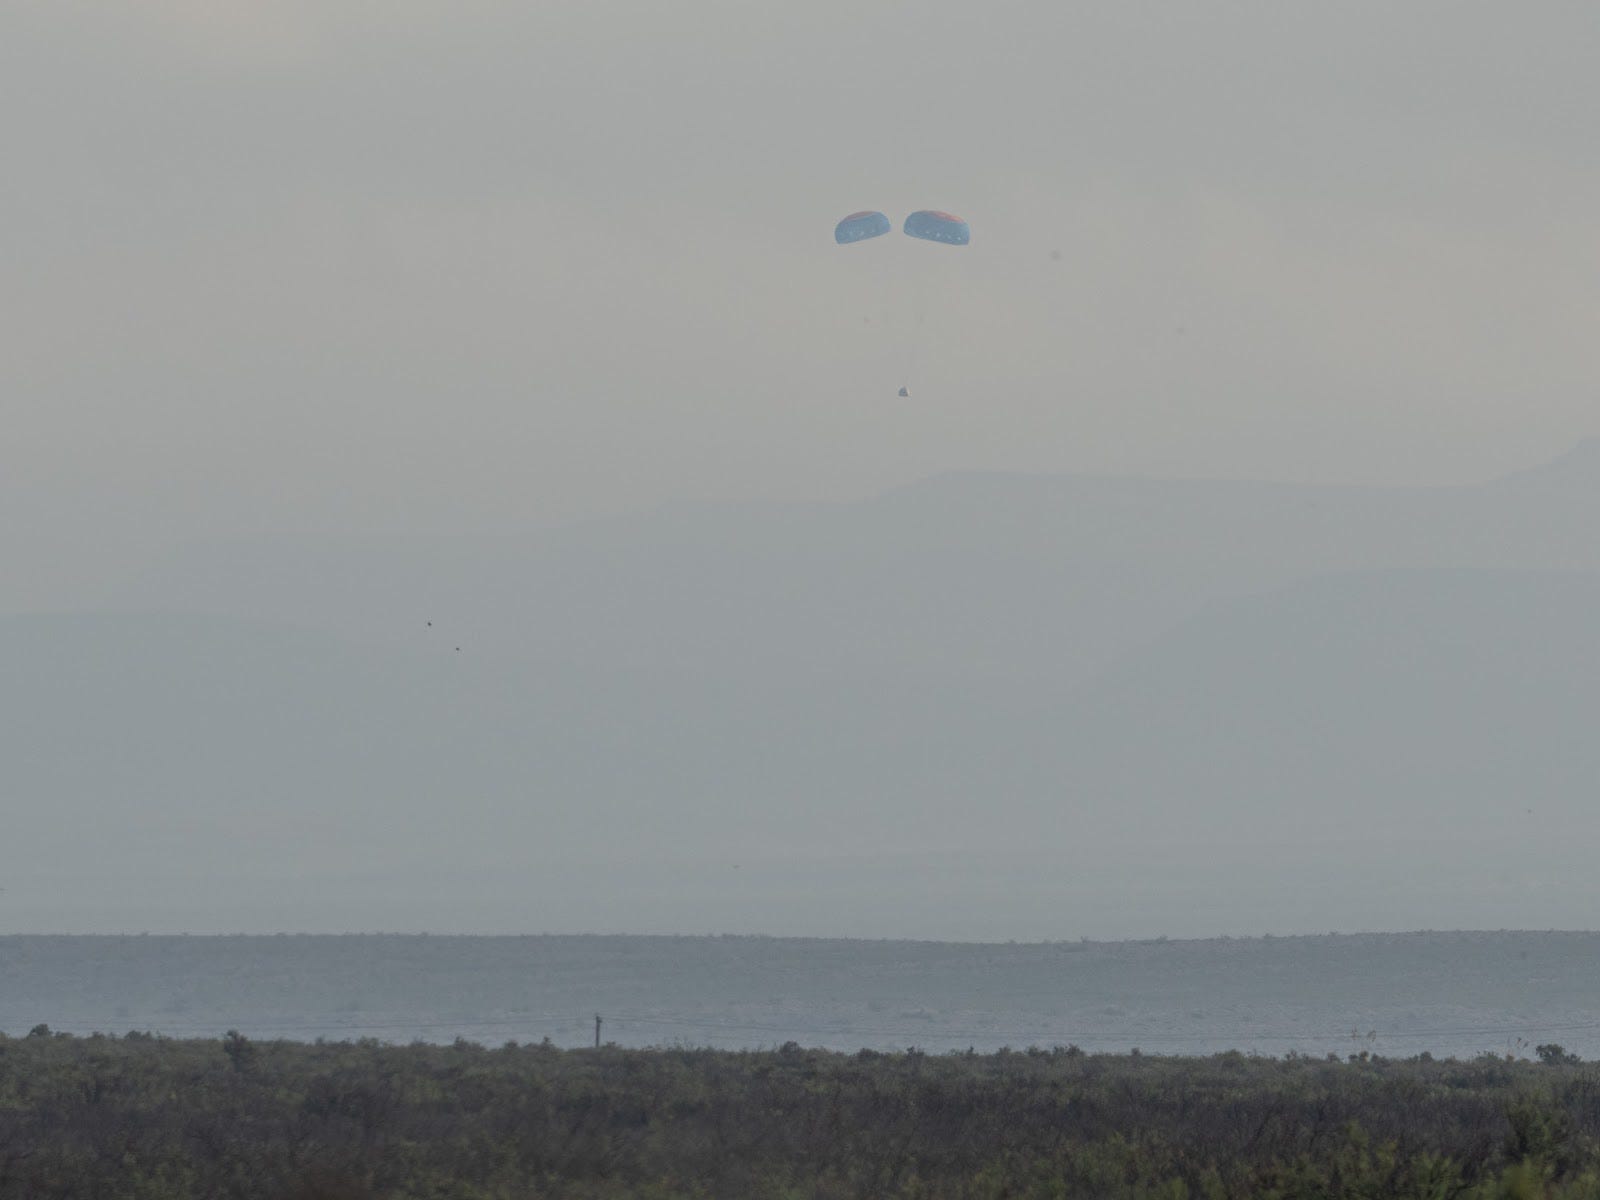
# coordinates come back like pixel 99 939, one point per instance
pixel 858 227
pixel 934 226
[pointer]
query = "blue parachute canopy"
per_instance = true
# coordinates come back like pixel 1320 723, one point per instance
pixel 858 227
pixel 935 226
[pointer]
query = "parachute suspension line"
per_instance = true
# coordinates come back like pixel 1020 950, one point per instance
pixel 888 331
pixel 930 225
pixel 919 320
pixel 868 226
pixel 928 288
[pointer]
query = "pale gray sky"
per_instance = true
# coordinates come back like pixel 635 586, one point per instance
pixel 423 267
pixel 310 310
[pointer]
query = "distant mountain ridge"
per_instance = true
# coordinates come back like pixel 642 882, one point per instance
pixel 982 572
pixel 1122 702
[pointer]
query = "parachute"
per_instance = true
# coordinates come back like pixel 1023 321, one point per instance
pixel 858 227
pixel 934 226
pixel 906 281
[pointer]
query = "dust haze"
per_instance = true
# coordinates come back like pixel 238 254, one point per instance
pixel 452 481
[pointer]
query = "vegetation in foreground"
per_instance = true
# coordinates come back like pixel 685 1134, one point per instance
pixel 149 1118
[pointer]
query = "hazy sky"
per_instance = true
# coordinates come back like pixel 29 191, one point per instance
pixel 329 267
pixel 319 271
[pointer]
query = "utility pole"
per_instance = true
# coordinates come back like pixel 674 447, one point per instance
pixel 597 1031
